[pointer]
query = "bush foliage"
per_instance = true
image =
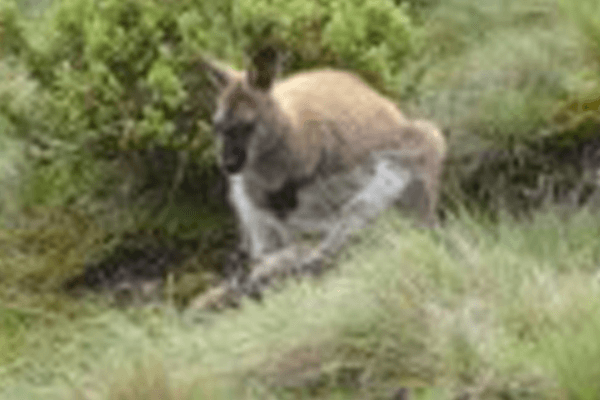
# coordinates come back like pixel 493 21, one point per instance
pixel 116 76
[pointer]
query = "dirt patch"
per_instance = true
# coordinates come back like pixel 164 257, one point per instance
pixel 131 270
pixel 137 270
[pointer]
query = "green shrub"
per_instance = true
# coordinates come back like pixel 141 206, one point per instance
pixel 370 36
pixel 11 39
pixel 114 77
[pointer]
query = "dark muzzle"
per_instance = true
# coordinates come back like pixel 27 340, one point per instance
pixel 233 159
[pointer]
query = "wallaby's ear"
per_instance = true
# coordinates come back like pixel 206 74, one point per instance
pixel 264 70
pixel 219 74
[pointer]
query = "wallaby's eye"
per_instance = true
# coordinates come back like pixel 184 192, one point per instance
pixel 246 128
pixel 238 120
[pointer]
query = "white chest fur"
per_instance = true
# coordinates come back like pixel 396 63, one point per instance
pixel 261 231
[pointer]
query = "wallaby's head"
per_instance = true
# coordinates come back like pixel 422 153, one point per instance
pixel 243 104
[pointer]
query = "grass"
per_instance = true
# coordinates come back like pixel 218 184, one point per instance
pixel 11 158
pixel 493 72
pixel 509 311
pixel 585 14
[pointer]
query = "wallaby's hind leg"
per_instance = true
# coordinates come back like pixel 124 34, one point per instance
pixel 384 189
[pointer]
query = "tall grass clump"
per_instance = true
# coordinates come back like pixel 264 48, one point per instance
pixel 586 15
pixel 489 311
pixel 514 87
pixel 493 72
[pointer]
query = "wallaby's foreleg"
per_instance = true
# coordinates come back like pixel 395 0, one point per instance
pixel 260 230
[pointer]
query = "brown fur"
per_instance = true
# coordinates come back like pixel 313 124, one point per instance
pixel 336 111
pixel 332 111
